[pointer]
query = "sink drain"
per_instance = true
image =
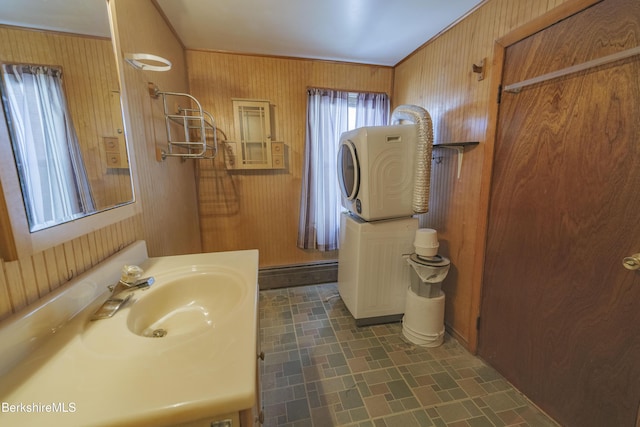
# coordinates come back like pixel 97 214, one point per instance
pixel 158 333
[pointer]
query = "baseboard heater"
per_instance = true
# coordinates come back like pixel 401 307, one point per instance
pixel 298 275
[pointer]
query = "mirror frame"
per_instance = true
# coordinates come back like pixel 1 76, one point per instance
pixel 16 241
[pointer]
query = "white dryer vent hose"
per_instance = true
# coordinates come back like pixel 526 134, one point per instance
pixel 422 178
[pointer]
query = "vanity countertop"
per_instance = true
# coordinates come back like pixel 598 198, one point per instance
pixel 100 373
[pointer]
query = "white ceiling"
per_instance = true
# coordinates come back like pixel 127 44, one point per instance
pixel 381 32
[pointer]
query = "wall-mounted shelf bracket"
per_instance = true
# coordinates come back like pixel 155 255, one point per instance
pixel 459 147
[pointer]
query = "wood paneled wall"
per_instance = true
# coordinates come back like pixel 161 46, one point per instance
pixel 90 81
pixel 24 281
pixel 259 209
pixel 166 189
pixel 439 77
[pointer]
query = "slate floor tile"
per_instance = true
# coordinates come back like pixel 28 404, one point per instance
pixel 321 370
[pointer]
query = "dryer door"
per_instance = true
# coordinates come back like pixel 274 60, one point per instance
pixel 348 170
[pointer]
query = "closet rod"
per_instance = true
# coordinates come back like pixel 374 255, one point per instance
pixel 516 87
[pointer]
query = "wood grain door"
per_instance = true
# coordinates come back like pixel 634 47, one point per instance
pixel 560 316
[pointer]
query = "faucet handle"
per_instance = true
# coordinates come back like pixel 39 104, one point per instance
pixel 131 273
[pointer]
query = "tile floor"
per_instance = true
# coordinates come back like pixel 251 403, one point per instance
pixel 322 370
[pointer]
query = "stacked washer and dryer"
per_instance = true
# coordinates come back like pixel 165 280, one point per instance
pixel 383 174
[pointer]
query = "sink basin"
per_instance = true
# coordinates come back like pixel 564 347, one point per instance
pixel 186 303
pixel 205 305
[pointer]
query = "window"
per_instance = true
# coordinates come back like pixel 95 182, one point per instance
pixel 353 100
pixel 329 114
pixel 52 175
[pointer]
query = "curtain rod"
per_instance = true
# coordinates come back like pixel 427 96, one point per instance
pixel 346 90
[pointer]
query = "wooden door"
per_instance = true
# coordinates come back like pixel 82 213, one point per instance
pixel 560 316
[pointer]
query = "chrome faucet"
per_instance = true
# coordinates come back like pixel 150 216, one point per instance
pixel 129 283
pixel 123 287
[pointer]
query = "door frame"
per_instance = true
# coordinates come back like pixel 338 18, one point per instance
pixel 565 10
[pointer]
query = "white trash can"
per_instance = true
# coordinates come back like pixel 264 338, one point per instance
pixel 423 321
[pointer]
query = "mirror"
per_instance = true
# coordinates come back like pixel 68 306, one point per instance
pixel 90 90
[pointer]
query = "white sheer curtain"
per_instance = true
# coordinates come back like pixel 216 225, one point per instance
pixel 53 176
pixel 371 109
pixel 327 118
